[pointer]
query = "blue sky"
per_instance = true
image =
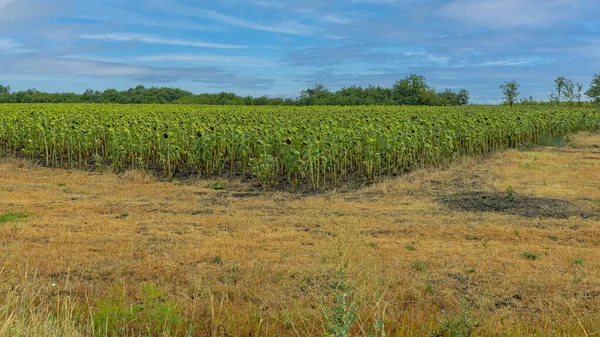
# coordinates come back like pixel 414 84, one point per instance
pixel 279 47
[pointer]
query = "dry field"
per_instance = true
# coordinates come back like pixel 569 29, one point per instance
pixel 507 245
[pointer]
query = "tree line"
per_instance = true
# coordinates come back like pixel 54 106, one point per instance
pixel 412 90
pixel 564 91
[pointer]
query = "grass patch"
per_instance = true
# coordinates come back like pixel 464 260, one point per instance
pixel 554 141
pixel 419 265
pixel 577 260
pixel 530 255
pixel 462 325
pixel 13 216
pixel 217 186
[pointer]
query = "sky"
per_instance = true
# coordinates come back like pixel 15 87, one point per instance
pixel 279 47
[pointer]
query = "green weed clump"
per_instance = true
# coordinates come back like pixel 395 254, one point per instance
pixel 462 325
pixel 13 216
pixel 155 315
pixel 530 255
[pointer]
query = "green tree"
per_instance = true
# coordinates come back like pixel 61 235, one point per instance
pixel 4 89
pixel 594 90
pixel 451 98
pixel 317 94
pixel 569 91
pixel 411 90
pixel 560 84
pixel 578 94
pixel 463 97
pixel 510 90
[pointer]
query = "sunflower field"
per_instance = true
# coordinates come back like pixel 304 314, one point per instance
pixel 316 147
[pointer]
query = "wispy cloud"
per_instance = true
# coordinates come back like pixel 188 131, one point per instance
pixel 508 14
pixel 210 59
pixel 70 66
pixel 9 46
pixel 13 12
pixel 290 27
pixel 518 62
pixel 128 37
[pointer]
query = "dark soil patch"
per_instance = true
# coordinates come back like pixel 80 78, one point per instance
pixel 522 205
pixel 245 195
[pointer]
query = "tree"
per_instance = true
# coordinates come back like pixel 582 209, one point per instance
pixel 451 98
pixel 4 89
pixel 578 94
pixel 315 91
pixel 411 90
pixel 594 90
pixel 429 97
pixel 5 96
pixel 317 94
pixel 510 90
pixel 560 83
pixel 569 91
pixel 463 97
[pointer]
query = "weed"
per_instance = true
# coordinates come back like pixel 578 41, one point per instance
pixel 62 184
pixel 431 286
pixel 577 260
pixel 233 276
pixel 530 255
pixel 597 243
pixel 123 215
pixel 13 216
pixel 217 186
pixel 411 246
pixel 343 314
pixel 372 245
pixel 156 315
pixel 217 259
pixel 554 141
pixel 576 279
pixel 516 232
pixel 470 270
pixel 510 193
pixel 462 325
pixel 419 265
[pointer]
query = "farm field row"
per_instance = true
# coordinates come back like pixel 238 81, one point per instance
pixel 317 147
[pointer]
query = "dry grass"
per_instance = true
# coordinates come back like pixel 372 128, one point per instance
pixel 245 262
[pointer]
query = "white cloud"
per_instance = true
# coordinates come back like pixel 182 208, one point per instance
pixel 287 27
pixel 5 3
pixel 128 37
pixel 24 11
pixel 85 67
pixel 212 59
pixel 336 19
pixel 427 56
pixel 508 14
pixel 9 46
pixel 518 62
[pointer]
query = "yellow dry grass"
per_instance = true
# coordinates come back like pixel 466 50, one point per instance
pixel 245 262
